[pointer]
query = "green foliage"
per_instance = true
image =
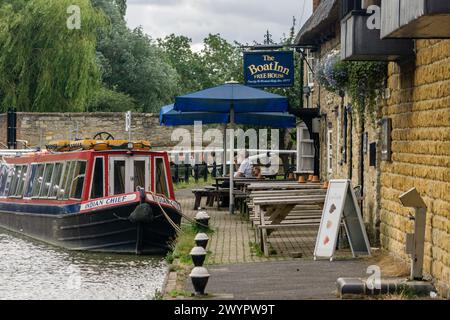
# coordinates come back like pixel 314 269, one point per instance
pixel 363 81
pixel 366 81
pixel 45 66
pixel 131 63
pixel 187 63
pixel 222 61
pixel 106 100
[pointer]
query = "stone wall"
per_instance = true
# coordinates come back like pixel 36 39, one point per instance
pixel 332 118
pixel 419 107
pixel 41 128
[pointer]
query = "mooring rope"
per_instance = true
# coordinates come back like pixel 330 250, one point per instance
pixel 179 212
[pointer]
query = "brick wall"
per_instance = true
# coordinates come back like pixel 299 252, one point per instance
pixel 419 107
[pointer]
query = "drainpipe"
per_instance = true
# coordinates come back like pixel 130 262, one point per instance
pixel 361 155
pixel 350 156
pixel 301 77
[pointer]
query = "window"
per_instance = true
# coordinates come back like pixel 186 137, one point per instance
pixel 9 177
pixel 68 179
pixel 310 68
pixel 47 180
pixel 160 177
pixel 22 177
pixel 139 174
pixel 119 176
pixel 3 178
pixel 74 180
pixel 29 188
pixel 14 179
pixel 76 189
pixel 64 178
pixel 56 179
pixel 97 188
pixel 305 161
pixel 330 152
pixel 37 180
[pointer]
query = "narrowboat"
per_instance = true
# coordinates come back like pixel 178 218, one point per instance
pixel 91 195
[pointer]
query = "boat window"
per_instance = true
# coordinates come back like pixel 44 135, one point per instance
pixel 139 174
pixel 119 176
pixel 56 179
pixel 76 189
pixel 37 180
pixel 64 177
pixel 3 177
pixel 47 180
pixel 97 179
pixel 22 176
pixel 13 184
pixel 160 177
pixel 29 188
pixel 9 177
pixel 68 176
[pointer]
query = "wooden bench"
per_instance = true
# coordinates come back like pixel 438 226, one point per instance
pixel 272 212
pixel 199 194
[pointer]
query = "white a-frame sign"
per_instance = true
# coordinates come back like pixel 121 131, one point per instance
pixel 341 206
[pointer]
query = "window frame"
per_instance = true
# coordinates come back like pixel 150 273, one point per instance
pixel 19 193
pixel 47 164
pixel 3 178
pixel 52 182
pixel 94 165
pixel 330 151
pixel 77 177
pixel 155 173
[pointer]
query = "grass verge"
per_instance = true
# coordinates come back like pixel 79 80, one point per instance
pixel 180 260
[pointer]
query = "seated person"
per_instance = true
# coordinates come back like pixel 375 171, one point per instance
pixel 257 173
pixel 246 168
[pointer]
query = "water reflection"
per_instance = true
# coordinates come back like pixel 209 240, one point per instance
pixel 34 270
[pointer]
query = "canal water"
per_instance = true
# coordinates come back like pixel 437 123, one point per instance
pixel 33 270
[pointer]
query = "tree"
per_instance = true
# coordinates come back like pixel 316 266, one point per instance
pixel 187 63
pixel 44 65
pixel 132 64
pixel 106 100
pixel 222 61
pixel 122 6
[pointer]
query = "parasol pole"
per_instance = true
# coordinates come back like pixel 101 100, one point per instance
pixel 224 157
pixel 231 158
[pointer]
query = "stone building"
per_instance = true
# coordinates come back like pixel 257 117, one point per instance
pixel 414 149
pixel 344 141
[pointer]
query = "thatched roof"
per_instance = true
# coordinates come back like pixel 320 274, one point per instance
pixel 326 14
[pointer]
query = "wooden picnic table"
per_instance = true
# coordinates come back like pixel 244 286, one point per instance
pixel 282 186
pixel 273 210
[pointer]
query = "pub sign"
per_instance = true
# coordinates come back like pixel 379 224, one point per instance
pixel 269 68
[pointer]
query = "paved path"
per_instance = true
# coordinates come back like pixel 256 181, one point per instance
pixel 232 241
pixel 285 280
pixel 238 272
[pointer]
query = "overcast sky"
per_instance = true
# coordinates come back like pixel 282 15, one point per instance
pixel 240 20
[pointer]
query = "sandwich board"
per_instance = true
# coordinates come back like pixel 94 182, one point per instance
pixel 341 206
